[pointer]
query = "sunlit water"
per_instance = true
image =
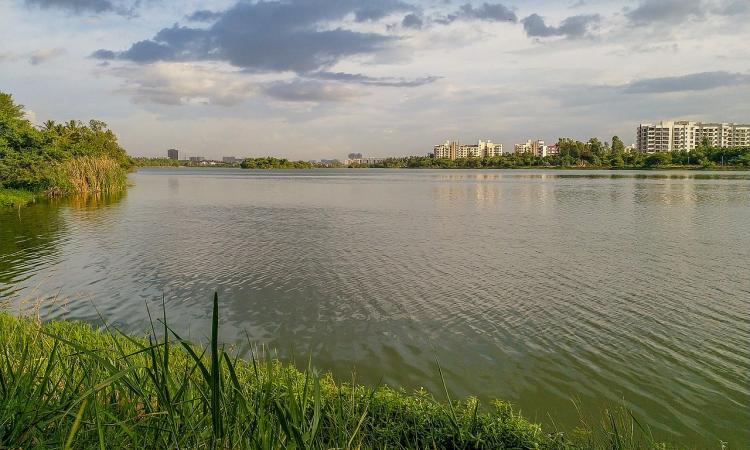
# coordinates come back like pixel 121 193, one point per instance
pixel 539 287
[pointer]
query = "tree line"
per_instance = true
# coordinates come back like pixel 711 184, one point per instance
pixel 591 154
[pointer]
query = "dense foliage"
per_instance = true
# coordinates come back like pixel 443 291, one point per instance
pixel 66 385
pixel 593 154
pixel 58 158
pixel 269 162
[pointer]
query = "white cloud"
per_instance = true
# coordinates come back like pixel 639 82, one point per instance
pixel 185 84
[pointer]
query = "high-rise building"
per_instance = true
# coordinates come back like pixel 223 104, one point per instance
pixel 671 136
pixel 172 153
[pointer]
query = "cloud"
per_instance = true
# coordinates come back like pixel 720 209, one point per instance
pixel 373 81
pixel 412 21
pixel 572 27
pixel 665 11
pixel 377 9
pixel 273 36
pixel 125 8
pixel 491 12
pixel 692 82
pixel 44 55
pixel 309 91
pixel 181 83
pixel 203 15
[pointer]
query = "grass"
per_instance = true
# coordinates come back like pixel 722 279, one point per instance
pixel 67 385
pixel 86 175
pixel 15 198
pixel 83 176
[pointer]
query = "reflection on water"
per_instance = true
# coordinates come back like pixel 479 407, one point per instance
pixel 533 286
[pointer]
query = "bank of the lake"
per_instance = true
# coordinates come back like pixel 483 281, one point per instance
pixel 56 159
pixel 67 385
pixel 15 198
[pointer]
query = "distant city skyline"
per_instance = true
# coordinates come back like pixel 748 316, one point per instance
pixel 312 79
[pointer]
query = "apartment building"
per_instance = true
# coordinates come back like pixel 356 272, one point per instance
pixel 535 147
pixel 670 136
pixel 453 150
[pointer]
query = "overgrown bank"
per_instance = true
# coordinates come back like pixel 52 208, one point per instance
pixel 56 158
pixel 63 384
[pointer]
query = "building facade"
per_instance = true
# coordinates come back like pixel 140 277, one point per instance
pixel 535 147
pixel 674 136
pixel 172 153
pixel 453 150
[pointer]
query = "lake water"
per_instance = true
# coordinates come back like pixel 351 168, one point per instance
pixel 538 287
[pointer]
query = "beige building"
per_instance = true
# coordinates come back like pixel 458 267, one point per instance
pixel 454 150
pixel 671 136
pixel 535 147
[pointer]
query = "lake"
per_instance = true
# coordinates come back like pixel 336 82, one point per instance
pixel 538 287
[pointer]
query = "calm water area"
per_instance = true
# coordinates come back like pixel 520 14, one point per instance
pixel 539 287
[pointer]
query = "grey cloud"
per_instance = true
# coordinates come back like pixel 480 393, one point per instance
pixel 412 21
pixel 203 15
pixel 78 6
pixel 377 9
pixel 309 91
pixel 733 8
pixel 493 12
pixel 44 55
pixel 103 54
pixel 373 81
pixel 692 82
pixel 571 27
pixel 121 7
pixel 665 11
pixel 267 36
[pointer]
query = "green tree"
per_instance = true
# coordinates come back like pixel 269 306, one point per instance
pixel 617 145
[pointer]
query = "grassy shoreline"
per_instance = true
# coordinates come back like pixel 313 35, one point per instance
pixel 67 385
pixel 15 198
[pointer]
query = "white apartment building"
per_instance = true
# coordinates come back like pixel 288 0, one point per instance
pixel 452 150
pixel 671 136
pixel 535 147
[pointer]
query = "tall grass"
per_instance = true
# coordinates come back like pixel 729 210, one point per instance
pixel 66 385
pixel 86 175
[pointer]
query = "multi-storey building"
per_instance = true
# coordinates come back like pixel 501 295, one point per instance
pixel 669 136
pixel 535 147
pixel 172 153
pixel 453 150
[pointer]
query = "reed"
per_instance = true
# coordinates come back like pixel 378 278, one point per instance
pixel 86 175
pixel 66 385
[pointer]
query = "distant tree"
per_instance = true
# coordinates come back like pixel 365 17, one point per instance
pixel 617 145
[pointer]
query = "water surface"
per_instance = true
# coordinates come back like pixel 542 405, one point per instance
pixel 533 286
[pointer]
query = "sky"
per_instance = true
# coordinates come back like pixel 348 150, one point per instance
pixel 312 79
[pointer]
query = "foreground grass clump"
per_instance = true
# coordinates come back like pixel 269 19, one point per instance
pixel 15 198
pixel 66 385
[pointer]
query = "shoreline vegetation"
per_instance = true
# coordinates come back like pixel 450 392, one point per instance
pixel 575 155
pixel 56 159
pixel 67 385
